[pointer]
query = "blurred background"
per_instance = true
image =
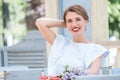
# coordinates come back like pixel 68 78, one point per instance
pixel 18 17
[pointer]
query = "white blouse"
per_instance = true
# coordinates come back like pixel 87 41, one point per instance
pixel 66 52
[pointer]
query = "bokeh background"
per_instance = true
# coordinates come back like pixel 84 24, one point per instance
pixel 18 17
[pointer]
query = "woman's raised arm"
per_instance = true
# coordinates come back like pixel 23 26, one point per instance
pixel 44 24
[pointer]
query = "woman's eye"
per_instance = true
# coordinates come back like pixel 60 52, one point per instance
pixel 78 19
pixel 69 20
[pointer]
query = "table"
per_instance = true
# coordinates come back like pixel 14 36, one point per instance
pixel 100 77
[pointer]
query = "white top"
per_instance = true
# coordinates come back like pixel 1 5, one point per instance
pixel 66 52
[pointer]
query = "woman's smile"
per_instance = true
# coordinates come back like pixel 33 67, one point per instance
pixel 75 29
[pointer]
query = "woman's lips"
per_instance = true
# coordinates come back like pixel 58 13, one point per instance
pixel 75 29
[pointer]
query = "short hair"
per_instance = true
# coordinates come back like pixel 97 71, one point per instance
pixel 77 9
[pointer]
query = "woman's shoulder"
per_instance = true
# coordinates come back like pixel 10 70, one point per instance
pixel 93 48
pixel 94 51
pixel 60 40
pixel 97 46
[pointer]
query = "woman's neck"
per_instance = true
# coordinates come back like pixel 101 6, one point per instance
pixel 81 39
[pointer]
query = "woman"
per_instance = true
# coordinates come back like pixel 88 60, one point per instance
pixel 79 52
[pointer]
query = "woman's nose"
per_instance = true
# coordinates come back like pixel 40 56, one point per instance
pixel 74 23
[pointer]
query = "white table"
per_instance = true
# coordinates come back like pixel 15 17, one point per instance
pixel 100 77
pixel 3 70
pixel 22 74
pixel 12 68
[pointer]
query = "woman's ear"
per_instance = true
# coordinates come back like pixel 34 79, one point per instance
pixel 86 24
pixel 87 21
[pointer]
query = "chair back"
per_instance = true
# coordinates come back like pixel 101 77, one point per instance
pixel 30 52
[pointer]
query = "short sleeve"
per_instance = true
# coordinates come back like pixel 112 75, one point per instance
pixel 57 45
pixel 55 54
pixel 95 52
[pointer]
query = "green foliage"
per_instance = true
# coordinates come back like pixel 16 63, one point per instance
pixel 17 25
pixel 114 17
pixel 17 16
pixel 17 10
pixel 1 42
pixel 66 68
pixel 22 14
pixel 0 15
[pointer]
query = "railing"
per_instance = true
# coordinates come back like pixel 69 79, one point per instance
pixel 111 44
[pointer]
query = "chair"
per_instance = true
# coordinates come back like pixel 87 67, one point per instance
pixel 106 70
pixel 115 71
pixel 110 71
pixel 30 52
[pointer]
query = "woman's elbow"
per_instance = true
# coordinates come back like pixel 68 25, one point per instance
pixel 39 22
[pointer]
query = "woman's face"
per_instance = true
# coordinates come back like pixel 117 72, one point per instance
pixel 75 23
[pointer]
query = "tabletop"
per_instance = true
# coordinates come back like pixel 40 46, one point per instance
pixel 99 77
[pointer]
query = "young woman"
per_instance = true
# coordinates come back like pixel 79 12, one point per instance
pixel 79 52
